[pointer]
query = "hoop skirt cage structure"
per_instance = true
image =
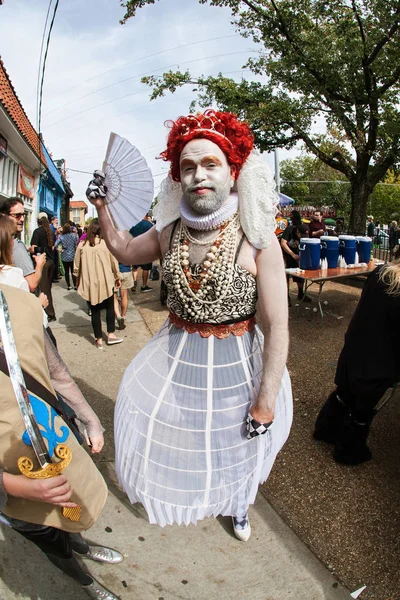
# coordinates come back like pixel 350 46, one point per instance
pixel 181 441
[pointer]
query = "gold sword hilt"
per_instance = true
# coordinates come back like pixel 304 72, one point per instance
pixel 62 451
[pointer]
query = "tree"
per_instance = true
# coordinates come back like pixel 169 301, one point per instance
pixel 336 60
pixel 385 199
pixel 310 181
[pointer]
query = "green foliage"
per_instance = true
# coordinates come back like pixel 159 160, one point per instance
pixel 336 62
pixel 132 6
pixel 309 181
pixel 385 200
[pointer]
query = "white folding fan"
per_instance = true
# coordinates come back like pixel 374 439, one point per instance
pixel 129 182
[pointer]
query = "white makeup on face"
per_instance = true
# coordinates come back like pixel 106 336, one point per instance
pixel 206 177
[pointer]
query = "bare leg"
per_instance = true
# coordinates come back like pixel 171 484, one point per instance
pixel 145 277
pixel 124 302
pixel 135 276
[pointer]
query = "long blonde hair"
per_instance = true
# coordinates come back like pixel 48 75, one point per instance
pixel 390 276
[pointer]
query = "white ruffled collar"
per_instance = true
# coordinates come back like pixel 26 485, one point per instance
pixel 207 222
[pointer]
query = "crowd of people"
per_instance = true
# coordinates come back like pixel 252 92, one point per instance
pixel 82 257
pixel 195 437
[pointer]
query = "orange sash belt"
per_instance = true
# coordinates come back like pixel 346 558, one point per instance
pixel 219 331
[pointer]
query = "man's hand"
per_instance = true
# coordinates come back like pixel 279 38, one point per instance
pixel 97 191
pixel 44 301
pixel 39 259
pixel 96 443
pixel 117 284
pixel 55 490
pixel 262 414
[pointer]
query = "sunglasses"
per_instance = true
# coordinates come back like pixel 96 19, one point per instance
pixel 17 215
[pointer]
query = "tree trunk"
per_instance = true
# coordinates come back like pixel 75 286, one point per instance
pixel 360 192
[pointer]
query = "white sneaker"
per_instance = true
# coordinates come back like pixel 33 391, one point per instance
pixel 241 528
pixel 112 341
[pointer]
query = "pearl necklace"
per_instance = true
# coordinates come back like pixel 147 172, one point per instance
pixel 216 273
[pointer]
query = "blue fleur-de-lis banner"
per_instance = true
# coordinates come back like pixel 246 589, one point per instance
pixel 45 416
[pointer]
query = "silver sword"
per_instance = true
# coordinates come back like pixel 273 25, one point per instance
pixel 18 383
pixel 47 467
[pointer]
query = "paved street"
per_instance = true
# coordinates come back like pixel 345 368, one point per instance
pixel 188 563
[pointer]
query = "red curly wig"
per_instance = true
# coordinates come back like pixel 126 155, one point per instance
pixel 234 137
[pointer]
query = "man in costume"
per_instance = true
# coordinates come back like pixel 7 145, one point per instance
pixel 206 406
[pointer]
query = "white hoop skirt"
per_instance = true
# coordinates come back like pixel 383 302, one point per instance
pixel 181 445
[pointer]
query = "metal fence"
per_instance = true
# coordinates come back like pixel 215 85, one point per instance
pixel 382 253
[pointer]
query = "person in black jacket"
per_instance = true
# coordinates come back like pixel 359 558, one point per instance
pixel 42 242
pixel 368 365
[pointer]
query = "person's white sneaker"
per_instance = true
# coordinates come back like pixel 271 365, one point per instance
pixel 241 528
pixel 114 340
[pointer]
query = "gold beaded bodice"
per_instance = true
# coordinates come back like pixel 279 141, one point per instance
pixel 216 291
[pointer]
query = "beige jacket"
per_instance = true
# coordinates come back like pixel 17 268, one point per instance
pixel 90 490
pixel 97 271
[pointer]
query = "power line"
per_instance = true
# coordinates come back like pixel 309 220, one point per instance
pixel 144 58
pixel 314 181
pixel 78 171
pixel 141 109
pixel 126 112
pixel 40 64
pixel 148 107
pixel 91 172
pixel 44 66
pixel 135 93
pixel 283 181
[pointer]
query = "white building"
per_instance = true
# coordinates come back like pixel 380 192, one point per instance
pixel 21 160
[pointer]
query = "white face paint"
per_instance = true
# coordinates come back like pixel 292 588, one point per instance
pixel 206 176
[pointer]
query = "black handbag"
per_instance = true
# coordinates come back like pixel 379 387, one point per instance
pixel 57 402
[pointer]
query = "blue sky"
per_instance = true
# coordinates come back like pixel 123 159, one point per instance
pixel 92 84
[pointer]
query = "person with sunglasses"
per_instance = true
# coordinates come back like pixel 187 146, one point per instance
pixel 14 208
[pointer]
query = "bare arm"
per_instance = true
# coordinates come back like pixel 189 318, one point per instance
pixel 317 233
pixel 285 248
pixel 33 279
pixel 66 386
pixel 272 292
pixel 126 249
pixel 55 490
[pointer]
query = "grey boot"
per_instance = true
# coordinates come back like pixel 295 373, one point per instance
pixel 97 592
pixel 102 554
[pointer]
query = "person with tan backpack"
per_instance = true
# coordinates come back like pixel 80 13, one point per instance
pixel 50 511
